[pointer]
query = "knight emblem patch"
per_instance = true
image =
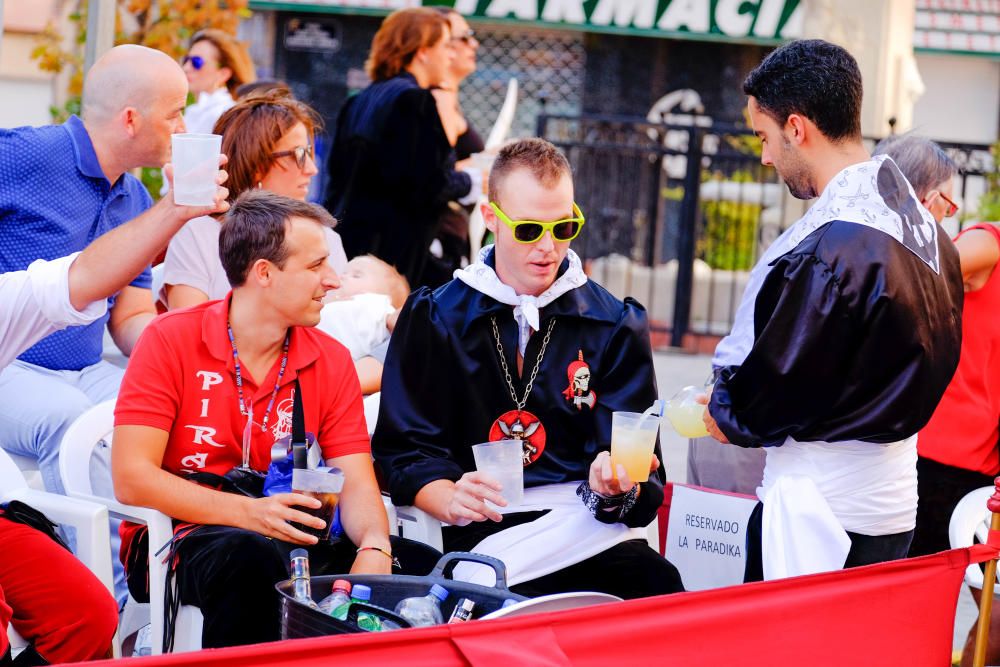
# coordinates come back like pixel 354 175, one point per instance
pixel 578 390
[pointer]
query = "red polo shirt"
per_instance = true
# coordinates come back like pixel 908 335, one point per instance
pixel 181 379
pixel 963 432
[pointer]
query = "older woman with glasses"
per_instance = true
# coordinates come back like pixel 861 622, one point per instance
pixel 216 65
pixel 269 141
pixel 391 167
pixel 958 449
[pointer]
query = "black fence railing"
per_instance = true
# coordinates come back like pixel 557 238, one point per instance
pixel 678 214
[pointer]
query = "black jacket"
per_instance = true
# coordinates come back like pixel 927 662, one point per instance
pixel 391 173
pixel 443 386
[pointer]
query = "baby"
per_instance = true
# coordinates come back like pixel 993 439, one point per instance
pixel 361 313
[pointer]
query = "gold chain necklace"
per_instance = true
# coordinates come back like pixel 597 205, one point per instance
pixel 506 370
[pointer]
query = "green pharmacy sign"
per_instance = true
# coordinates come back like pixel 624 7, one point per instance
pixel 764 21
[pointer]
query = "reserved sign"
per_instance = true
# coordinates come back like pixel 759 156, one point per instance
pixel 706 537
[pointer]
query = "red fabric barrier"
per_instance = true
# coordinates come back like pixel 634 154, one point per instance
pixel 898 613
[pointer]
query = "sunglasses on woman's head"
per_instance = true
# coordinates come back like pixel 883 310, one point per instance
pixel 299 153
pixel 530 231
pixel 197 62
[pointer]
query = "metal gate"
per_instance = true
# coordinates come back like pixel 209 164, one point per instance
pixel 679 214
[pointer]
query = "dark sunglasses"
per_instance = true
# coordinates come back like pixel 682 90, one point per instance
pixel 299 153
pixel 468 37
pixel 197 62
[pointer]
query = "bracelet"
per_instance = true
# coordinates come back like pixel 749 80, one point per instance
pixel 608 509
pixel 387 554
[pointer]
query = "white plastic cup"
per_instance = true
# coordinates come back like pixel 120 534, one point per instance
pixel 195 158
pixel 633 440
pixel 483 161
pixel 503 461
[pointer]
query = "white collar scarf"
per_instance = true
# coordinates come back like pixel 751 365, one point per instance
pixel 873 194
pixel 481 277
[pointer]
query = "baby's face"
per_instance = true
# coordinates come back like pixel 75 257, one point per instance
pixel 364 275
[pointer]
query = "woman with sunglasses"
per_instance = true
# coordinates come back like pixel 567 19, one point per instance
pixel 391 167
pixel 452 248
pixel 269 141
pixel 957 451
pixel 216 65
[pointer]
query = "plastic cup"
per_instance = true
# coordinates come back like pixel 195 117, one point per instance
pixel 503 461
pixel 325 486
pixel 483 161
pixel 195 158
pixel 633 437
pixel 685 414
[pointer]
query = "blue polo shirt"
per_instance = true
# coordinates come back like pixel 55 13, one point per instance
pixel 55 200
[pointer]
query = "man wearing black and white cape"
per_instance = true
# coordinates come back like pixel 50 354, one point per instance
pixel 522 344
pixel 847 335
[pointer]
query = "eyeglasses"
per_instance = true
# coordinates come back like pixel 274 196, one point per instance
pixel 530 231
pixel 952 206
pixel 299 153
pixel 197 62
pixel 468 37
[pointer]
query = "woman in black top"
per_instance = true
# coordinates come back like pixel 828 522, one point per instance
pixel 453 230
pixel 391 168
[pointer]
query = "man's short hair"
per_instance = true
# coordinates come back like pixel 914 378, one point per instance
pixel 921 160
pixel 812 78
pixel 545 162
pixel 254 228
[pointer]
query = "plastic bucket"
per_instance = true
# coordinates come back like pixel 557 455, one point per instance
pixel 299 621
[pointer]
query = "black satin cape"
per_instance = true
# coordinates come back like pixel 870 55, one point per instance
pixel 855 338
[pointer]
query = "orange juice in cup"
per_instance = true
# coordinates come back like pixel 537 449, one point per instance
pixel 633 437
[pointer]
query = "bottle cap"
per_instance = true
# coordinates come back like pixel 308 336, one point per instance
pixel 440 592
pixel 299 553
pixel 361 592
pixel 342 585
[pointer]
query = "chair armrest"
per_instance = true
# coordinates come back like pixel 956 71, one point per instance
pixel 89 519
pixel 420 526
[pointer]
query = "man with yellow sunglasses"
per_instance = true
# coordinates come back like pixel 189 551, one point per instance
pixel 522 345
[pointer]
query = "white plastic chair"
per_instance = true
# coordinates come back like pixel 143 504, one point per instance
pixel 29 469
pixel 90 520
pixel 970 520
pixel 91 428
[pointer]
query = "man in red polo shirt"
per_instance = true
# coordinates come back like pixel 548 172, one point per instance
pixel 201 378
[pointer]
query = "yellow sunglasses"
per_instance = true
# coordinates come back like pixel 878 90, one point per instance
pixel 530 231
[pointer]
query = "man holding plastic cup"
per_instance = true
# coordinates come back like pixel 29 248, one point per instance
pixel 61 187
pixel 206 379
pixel 521 345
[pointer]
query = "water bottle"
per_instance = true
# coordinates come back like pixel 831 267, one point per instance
pixel 300 578
pixel 337 603
pixel 423 611
pixel 366 621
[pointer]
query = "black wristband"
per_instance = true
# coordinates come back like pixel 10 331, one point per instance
pixel 607 509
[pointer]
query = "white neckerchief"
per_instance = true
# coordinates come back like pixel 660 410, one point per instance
pixel 481 277
pixel 853 195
